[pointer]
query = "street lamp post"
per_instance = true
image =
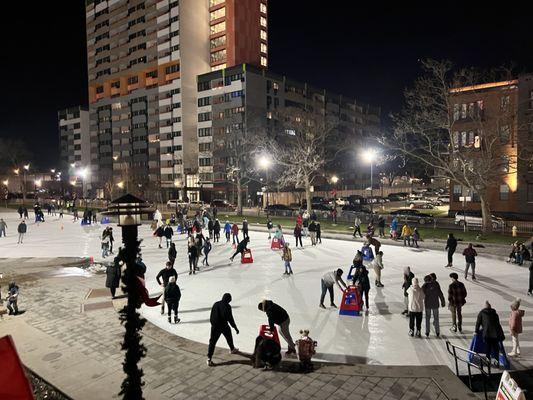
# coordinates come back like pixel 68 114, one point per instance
pixel 129 209
pixel 264 163
pixel 334 180
pixel 6 183
pixel 369 155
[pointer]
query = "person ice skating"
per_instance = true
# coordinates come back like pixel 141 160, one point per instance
pixel 370 230
pixel 216 230
pixel 394 228
pixel 235 234
pixel 193 256
pixel 3 226
pixel 160 233
pixel 113 273
pixel 327 282
pixel 278 316
pixel 163 277
pixel 25 210
pixel 172 253
pixel 21 229
pixel 270 226
pixel 75 216
pixel 20 211
pixel 207 248
pixel 298 235
pixel 416 306
pixel 210 228
pixel 451 246
pixel 369 240
pixel 489 322
pixel 360 277
pixel 433 295
pixel 305 224
pixel 227 230
pixel 357 227
pixel 377 265
pixel 158 218
pixel 318 233
pixel 407 281
pixel 12 298
pixel 381 226
pixel 168 232
pixel 312 232
pixel 245 228
pixel 61 212
pixel 172 298
pixel 306 351
pixel 287 258
pixel 278 234
pixel 470 259
pixel 456 300
pixel 416 237
pixel 515 326
pixel 299 219
pixel 95 220
pixel 221 319
pixel 406 235
pixel 241 248
pixel 105 245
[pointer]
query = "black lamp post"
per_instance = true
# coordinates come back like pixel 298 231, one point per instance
pixel 129 209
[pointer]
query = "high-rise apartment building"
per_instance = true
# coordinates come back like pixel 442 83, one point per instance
pixel 143 61
pixel 246 99
pixel 74 140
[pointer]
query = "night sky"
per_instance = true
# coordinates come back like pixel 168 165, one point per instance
pixel 370 52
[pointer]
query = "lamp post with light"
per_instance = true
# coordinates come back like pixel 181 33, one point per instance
pixel 6 185
pixel 334 180
pixel 264 163
pixel 129 209
pixel 369 155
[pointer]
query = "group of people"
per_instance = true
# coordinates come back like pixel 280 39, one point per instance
pixel 519 253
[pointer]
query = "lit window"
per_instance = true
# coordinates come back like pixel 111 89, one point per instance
pixel 218 56
pixel 218 27
pixel 263 34
pixel 218 67
pixel 263 61
pixel 269 114
pixel 217 42
pixel 263 48
pixel 263 22
pixel 263 8
pixel 219 13
pixel 213 3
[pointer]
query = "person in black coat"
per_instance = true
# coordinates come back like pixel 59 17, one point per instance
pixel 241 247
pixel 210 228
pixel 278 316
pixel 168 232
pixel 451 246
pixel 113 273
pixel 221 319
pixel 193 258
pixel 216 230
pixel 172 298
pixel 172 253
pixel 361 276
pixel 489 321
pixel 163 277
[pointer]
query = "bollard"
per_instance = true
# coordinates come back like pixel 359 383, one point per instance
pixel 514 229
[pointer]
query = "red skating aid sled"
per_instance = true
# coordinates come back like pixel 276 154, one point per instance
pixel 351 302
pixel 267 333
pixel 246 257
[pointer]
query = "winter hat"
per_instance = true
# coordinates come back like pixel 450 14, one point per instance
pixel 487 304
pixel 515 305
pixel 427 278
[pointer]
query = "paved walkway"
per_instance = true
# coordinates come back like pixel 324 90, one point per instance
pixel 70 335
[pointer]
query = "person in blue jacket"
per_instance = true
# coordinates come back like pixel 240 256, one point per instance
pixel 227 230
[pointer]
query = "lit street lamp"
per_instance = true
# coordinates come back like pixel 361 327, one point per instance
pixel 264 163
pixel 6 183
pixel 370 155
pixel 129 209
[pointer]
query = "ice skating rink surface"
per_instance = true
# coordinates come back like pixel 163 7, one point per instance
pixel 378 337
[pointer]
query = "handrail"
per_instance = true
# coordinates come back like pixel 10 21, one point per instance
pixel 483 362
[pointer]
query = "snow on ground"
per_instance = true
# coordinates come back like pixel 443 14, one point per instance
pixel 378 338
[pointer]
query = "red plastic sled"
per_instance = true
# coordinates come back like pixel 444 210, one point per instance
pixel 246 257
pixel 267 333
pixel 276 244
pixel 351 302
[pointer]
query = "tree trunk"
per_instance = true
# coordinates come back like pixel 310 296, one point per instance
pixel 308 194
pixel 485 214
pixel 239 197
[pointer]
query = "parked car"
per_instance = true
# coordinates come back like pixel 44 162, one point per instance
pixel 411 215
pixel 222 204
pixel 191 205
pixel 474 219
pixel 444 199
pixel 277 207
pixel 421 203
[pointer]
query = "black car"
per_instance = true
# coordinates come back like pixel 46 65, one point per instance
pixel 277 207
pixel 413 216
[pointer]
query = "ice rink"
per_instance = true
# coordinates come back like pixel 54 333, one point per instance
pixel 380 337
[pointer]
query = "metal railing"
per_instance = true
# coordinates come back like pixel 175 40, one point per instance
pixel 483 366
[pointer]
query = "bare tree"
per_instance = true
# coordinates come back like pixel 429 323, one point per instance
pixel 430 131
pixel 301 146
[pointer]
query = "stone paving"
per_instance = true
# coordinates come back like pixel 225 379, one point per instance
pixel 79 352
